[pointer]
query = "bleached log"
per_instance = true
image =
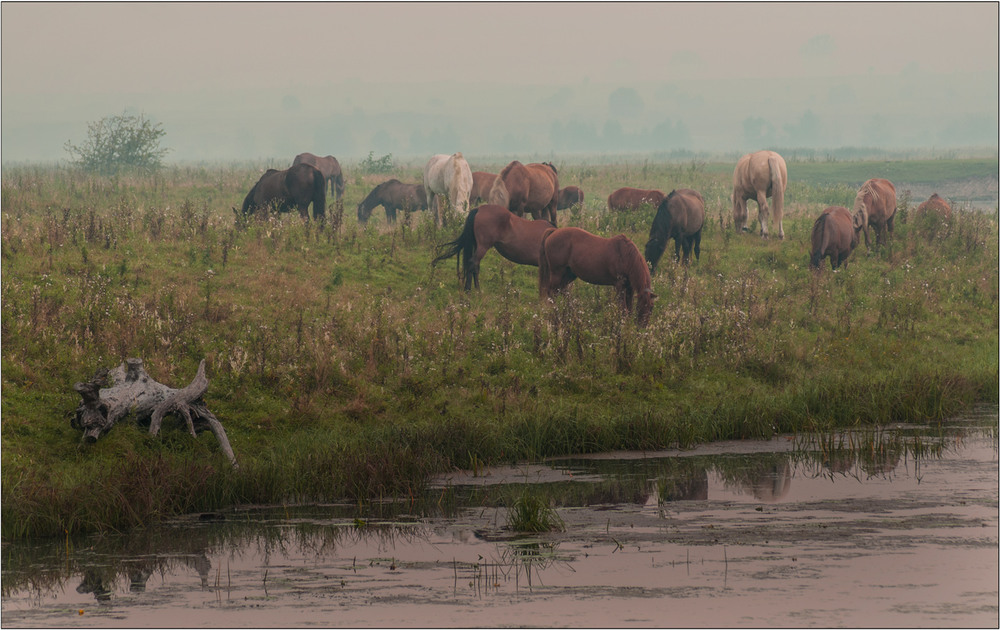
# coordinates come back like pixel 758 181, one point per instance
pixel 131 394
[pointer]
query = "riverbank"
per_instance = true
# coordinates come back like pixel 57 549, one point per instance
pixel 344 366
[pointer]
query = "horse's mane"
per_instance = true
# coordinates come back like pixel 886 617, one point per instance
pixel 506 169
pixel 633 265
pixel 550 165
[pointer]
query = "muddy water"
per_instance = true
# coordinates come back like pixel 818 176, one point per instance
pixel 895 527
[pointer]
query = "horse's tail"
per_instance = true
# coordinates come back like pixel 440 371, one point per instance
pixel 465 244
pixel 777 187
pixel 319 194
pixel 543 265
pixel 820 240
pixel 658 234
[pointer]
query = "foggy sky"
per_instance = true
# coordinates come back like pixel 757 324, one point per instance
pixel 247 80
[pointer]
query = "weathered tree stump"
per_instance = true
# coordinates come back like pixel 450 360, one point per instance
pixel 131 394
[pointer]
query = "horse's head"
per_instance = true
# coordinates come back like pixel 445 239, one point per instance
pixel 644 307
pixel 363 212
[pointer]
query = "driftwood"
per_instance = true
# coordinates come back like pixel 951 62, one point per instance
pixel 130 393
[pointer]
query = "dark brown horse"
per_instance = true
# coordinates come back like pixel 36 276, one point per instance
pixel 481 185
pixel 516 239
pixel 877 202
pixel 935 204
pixel 330 168
pixel 570 196
pixel 835 234
pixel 631 198
pixel 570 253
pixel 680 217
pixel 296 187
pixel 393 195
pixel 528 188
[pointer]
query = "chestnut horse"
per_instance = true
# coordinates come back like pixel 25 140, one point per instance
pixel 877 202
pixel 835 234
pixel 569 253
pixel 935 204
pixel 481 185
pixel 297 187
pixel 450 176
pixel 569 196
pixel 680 217
pixel 330 168
pixel 524 188
pixel 631 198
pixel 393 195
pixel 758 176
pixel 516 239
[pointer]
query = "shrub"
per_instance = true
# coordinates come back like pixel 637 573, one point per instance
pixel 120 143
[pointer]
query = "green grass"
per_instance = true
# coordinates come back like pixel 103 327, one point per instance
pixel 344 366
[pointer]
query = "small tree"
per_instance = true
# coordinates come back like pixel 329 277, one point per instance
pixel 118 143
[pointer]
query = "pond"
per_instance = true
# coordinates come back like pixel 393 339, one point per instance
pixel 895 526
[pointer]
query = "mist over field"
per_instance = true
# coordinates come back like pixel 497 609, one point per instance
pixel 238 81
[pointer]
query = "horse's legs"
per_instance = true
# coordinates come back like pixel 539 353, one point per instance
pixel 677 249
pixel 740 213
pixel 762 212
pixel 390 213
pixel 688 242
pixel 697 245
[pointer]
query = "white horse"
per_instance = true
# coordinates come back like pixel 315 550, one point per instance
pixel 448 175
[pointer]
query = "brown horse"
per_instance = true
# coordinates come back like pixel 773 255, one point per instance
pixel 393 195
pixel 481 185
pixel 632 198
pixel 758 176
pixel 330 168
pixel 877 202
pixel 516 239
pixel 297 187
pixel 935 204
pixel 524 188
pixel 835 234
pixel 569 196
pixel 569 253
pixel 680 217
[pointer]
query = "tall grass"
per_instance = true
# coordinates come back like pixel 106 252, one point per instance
pixel 344 366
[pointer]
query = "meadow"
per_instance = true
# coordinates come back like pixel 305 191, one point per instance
pixel 345 367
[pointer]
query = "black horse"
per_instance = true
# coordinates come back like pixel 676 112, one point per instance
pixel 296 187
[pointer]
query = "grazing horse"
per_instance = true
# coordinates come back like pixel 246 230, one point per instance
pixel 935 204
pixel 569 196
pixel 835 234
pixel 877 201
pixel 393 195
pixel 516 239
pixel 528 188
pixel 758 176
pixel 447 175
pixel 680 217
pixel 569 253
pixel 481 185
pixel 330 168
pixel 297 186
pixel 631 198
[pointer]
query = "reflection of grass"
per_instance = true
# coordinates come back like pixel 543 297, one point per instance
pixel 531 512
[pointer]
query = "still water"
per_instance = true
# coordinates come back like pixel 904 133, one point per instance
pixel 888 527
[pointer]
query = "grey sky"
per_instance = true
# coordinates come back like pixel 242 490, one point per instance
pixel 144 55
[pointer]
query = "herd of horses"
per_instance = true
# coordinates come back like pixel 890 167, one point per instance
pixel 496 207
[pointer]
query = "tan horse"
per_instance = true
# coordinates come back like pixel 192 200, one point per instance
pixel 835 234
pixel 935 204
pixel 528 188
pixel 330 168
pixel 482 182
pixel 632 198
pixel 877 201
pixel 516 239
pixel 758 176
pixel 569 253
pixel 680 217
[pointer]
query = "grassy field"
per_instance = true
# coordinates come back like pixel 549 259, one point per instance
pixel 344 366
